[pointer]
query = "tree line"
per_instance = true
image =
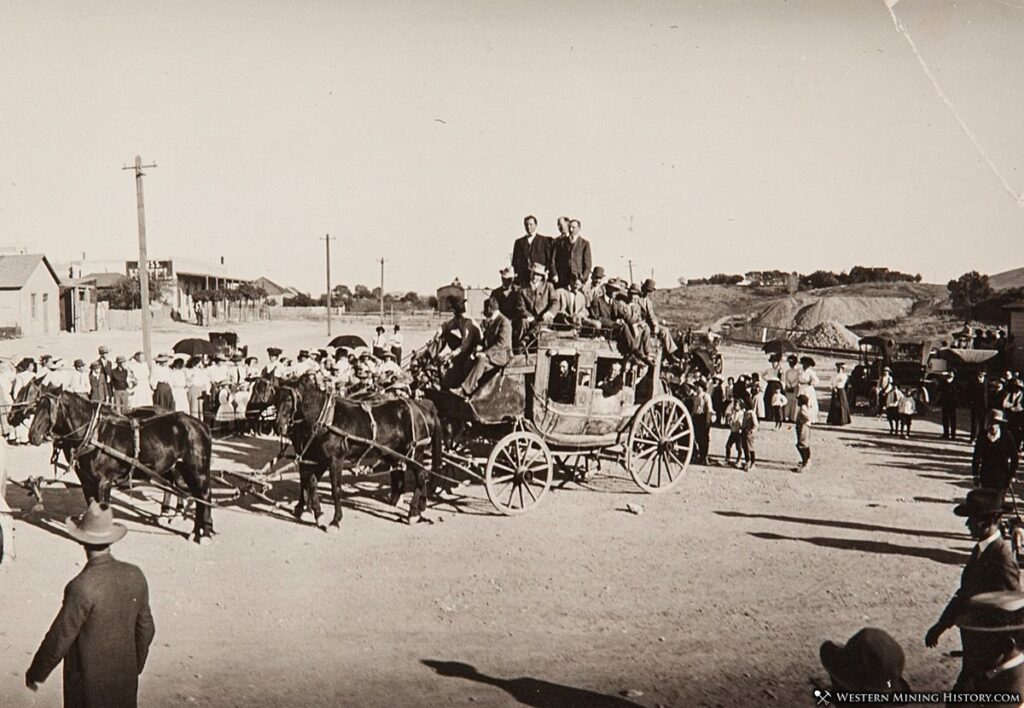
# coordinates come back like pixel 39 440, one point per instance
pixel 363 299
pixel 812 281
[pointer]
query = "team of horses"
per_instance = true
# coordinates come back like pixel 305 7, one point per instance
pixel 172 450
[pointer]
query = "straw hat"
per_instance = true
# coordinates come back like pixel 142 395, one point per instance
pixel 539 269
pixel 96 526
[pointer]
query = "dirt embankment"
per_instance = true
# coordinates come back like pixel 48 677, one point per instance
pixel 807 312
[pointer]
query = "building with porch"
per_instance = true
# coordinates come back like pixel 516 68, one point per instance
pixel 182 278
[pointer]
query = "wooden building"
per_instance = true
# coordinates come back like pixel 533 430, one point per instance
pixel 29 295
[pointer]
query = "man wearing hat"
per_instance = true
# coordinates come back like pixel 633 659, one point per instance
pixel 456 342
pixel 56 375
pixel 105 366
pixel 977 399
pixel 510 302
pixel 870 662
pixel 78 379
pixel 380 341
pixel 104 628
pixel 991 567
pixel 273 367
pixel 606 310
pixel 997 619
pixel 595 286
pixel 539 299
pixel 947 400
pixel 494 350
pixel 141 392
pixel 995 460
pixel 571 257
pixel 529 250
pixel 572 303
pixel 122 380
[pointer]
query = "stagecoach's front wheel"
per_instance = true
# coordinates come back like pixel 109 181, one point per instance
pixel 660 444
pixel 518 473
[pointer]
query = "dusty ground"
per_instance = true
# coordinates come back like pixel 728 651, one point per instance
pixel 719 594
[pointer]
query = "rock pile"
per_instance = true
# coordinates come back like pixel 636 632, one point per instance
pixel 829 335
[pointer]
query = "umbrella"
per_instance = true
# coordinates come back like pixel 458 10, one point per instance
pixel 347 340
pixel 779 346
pixel 194 347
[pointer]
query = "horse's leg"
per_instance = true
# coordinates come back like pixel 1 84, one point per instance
pixel 313 497
pixel 335 472
pixel 397 485
pixel 300 505
pixel 418 503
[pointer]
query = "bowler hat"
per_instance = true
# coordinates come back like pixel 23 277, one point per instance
pixel 634 289
pixel 121 358
pixel 79 362
pixel 649 284
pixel 104 349
pixel 1001 611
pixel 870 661
pixel 96 526
pixel 598 272
pixel 273 351
pixel 981 502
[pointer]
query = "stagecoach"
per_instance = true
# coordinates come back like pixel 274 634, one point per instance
pixel 570 402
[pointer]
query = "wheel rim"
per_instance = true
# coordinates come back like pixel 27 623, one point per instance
pixel 660 444
pixel 518 473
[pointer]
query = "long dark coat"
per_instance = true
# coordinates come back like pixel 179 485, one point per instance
pixel 102 634
pixel 524 255
pixel 995 463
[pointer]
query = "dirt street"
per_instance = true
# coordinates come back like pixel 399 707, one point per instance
pixel 719 594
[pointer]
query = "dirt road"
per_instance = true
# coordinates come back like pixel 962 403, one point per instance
pixel 719 594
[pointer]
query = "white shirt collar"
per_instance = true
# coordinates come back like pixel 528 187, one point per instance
pixel 987 541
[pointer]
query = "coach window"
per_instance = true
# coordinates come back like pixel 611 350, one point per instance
pixel 609 376
pixel 562 378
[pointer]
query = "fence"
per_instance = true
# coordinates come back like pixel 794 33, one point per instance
pixel 319 313
pixel 131 319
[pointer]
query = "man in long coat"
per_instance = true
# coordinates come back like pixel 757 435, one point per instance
pixel 104 628
pixel 992 566
pixel 529 250
pixel 495 348
pixel 571 257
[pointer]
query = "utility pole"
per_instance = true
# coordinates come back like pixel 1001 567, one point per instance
pixel 382 290
pixel 630 262
pixel 327 243
pixel 143 269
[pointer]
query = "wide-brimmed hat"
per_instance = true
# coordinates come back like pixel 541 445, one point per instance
pixel 104 349
pixel 273 351
pixel 388 354
pixel 55 363
pixel 634 289
pixel 96 526
pixel 870 661
pixel 807 361
pixel 598 272
pixel 615 284
pixel 1001 611
pixel 121 359
pixel 995 416
pixel 162 357
pixel 649 285
pixel 981 502
pixel 539 269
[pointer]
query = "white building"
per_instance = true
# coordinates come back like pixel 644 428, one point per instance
pixel 29 295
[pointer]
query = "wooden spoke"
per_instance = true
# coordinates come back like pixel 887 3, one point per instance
pixel 519 460
pixel 660 444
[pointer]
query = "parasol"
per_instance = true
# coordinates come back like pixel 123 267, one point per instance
pixel 350 341
pixel 194 347
pixel 779 346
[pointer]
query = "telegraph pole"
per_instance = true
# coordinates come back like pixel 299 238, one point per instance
pixel 382 290
pixel 143 269
pixel 630 262
pixel 327 243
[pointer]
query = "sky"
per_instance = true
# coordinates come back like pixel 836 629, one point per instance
pixel 688 137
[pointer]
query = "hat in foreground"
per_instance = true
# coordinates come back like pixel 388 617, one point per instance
pixel 870 661
pixel 1001 611
pixel 96 526
pixel 980 502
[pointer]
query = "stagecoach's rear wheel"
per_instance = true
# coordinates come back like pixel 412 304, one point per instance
pixel 660 444
pixel 518 473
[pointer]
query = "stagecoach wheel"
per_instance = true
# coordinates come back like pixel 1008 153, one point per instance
pixel 660 444
pixel 518 473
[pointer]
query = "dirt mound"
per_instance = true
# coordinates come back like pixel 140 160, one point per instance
pixel 829 335
pixel 808 311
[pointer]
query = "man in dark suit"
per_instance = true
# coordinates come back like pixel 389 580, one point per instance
pixel 456 342
pixel 977 399
pixel 999 617
pixel 948 402
pixel 510 302
pixel 106 367
pixel 104 628
pixel 494 350
pixel 992 566
pixel 530 249
pixel 571 257
pixel 539 299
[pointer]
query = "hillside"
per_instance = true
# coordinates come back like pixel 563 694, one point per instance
pixel 1007 279
pixel 899 309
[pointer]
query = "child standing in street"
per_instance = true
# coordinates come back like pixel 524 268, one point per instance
pixel 747 431
pixel 907 409
pixel 778 407
pixel 734 419
pixel 803 432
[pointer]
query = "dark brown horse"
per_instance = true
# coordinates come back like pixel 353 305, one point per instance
pixel 174 446
pixel 331 434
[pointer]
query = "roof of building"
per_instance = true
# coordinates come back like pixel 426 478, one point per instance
pixel 192 266
pixel 15 270
pixel 272 289
pixel 1018 305
pixel 101 280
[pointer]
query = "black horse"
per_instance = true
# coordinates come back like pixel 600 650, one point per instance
pixel 175 446
pixel 400 425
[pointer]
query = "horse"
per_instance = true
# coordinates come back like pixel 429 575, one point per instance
pixel 400 425
pixel 175 446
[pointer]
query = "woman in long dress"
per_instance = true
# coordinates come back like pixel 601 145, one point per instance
pixel 160 382
pixel 198 383
pixel 772 377
pixel 179 387
pixel 808 381
pixel 791 387
pixel 839 408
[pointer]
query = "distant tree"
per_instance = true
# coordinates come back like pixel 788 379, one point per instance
pixel 682 281
pixel 361 292
pixel 412 298
pixel 300 300
pixel 819 279
pixel 432 302
pixel 725 279
pixel 968 290
pixel 375 293
pixel 127 294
